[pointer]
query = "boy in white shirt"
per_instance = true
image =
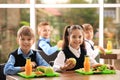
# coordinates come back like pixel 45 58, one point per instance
pixel 91 51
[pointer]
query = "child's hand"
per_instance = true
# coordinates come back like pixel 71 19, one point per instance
pixel 33 64
pixel 60 43
pixel 68 65
pixel 102 50
pixel 23 68
pixel 111 67
pixel 96 65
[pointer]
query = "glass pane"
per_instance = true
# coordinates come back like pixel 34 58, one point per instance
pixel 61 17
pixel 65 1
pixel 14 1
pixel 112 26
pixel 11 20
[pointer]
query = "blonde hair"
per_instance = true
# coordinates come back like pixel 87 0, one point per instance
pixel 26 31
pixel 43 24
pixel 87 27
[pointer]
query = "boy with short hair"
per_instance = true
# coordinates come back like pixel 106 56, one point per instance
pixel 91 51
pixel 44 31
pixel 17 58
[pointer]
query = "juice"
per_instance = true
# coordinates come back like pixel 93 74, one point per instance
pixel 87 64
pixel 28 67
pixel 109 45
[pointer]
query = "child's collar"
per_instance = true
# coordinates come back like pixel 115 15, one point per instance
pixel 21 52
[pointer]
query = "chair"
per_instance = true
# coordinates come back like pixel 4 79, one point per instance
pixel 2 76
pixel 48 58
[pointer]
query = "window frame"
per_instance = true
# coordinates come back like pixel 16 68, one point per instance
pixel 32 6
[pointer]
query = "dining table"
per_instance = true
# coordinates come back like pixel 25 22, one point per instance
pixel 111 57
pixel 71 75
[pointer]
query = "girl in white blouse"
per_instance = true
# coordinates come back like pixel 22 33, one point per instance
pixel 73 46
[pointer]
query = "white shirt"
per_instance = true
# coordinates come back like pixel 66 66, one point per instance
pixel 60 59
pixel 92 53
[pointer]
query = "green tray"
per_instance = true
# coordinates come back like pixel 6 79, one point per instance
pixel 107 71
pixel 22 74
pixel 33 75
pixel 55 74
pixel 83 72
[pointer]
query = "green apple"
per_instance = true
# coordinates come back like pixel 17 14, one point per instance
pixel 73 60
pixel 108 51
pixel 41 68
pixel 49 70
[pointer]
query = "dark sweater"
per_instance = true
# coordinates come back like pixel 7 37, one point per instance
pixel 79 61
pixel 20 60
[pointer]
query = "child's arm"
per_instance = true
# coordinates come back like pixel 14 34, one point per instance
pixel 40 60
pixel 9 66
pixel 47 48
pixel 102 49
pixel 92 53
pixel 59 61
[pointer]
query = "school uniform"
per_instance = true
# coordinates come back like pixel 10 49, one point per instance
pixel 45 46
pixel 91 51
pixel 69 52
pixel 17 59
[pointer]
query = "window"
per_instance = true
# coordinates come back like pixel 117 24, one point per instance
pixel 105 18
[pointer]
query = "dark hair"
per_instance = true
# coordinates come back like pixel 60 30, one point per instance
pixel 68 30
pixel 65 37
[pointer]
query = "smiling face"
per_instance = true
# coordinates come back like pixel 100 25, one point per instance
pixel 76 38
pixel 45 31
pixel 88 29
pixel 25 38
pixel 25 43
pixel 89 34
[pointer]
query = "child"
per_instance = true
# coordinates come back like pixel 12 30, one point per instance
pixel 44 31
pixel 73 46
pixel 17 59
pixel 91 51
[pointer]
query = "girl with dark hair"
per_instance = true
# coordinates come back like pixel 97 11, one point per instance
pixel 73 47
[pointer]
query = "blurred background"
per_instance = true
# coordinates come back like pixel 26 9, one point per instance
pixel 77 12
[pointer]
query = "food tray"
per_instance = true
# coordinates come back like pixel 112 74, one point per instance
pixel 33 75
pixel 22 74
pixel 83 72
pixel 107 71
